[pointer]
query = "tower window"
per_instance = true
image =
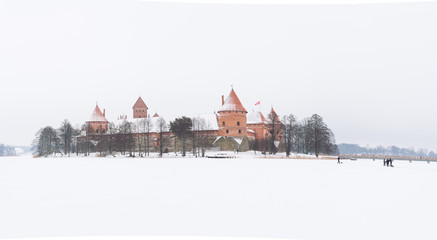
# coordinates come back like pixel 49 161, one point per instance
pixel 238 123
pixel 223 123
pixel 227 130
pixel 239 131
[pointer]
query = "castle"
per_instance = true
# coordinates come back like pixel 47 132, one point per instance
pixel 232 127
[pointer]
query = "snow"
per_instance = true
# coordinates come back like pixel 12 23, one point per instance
pixel 97 116
pixel 250 196
pixel 238 140
pixel 254 118
pixel 19 150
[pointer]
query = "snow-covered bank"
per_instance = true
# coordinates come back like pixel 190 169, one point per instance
pixel 242 197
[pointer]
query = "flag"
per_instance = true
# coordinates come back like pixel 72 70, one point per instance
pixel 257 103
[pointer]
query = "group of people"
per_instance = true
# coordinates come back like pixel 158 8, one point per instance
pixel 388 162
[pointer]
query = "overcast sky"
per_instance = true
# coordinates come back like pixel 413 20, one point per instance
pixel 369 70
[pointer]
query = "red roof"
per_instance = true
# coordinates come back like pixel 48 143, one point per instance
pixel 232 103
pixel 275 115
pixel 155 115
pixel 97 115
pixel 140 104
pixel 263 118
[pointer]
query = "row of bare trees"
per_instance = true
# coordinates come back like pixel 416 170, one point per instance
pixel 141 137
pixel 50 141
pixel 309 136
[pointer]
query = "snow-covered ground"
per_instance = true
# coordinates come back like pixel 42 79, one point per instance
pixel 242 197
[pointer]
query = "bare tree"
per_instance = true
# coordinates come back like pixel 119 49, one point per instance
pixel 161 128
pixel 125 139
pixel 112 131
pixel 102 146
pixel 195 134
pixel 290 133
pixel 274 126
pixel 66 132
pixel 46 142
pixel 321 138
pixel 265 145
pixel 147 126
pixel 139 127
pixel 74 142
pixel 202 136
pixel 89 131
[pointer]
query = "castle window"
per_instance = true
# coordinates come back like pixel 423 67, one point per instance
pixel 239 131
pixel 223 123
pixel 139 116
pixel 238 123
pixel 227 130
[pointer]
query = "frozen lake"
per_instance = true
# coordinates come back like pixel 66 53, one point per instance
pixel 243 197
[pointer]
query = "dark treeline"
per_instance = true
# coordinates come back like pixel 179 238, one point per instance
pixel 346 148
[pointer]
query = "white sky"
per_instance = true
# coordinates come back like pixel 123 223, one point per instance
pixel 368 69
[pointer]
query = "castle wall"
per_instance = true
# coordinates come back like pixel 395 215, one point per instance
pixel 259 129
pixel 98 126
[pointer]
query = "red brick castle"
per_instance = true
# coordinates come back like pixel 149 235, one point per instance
pixel 232 127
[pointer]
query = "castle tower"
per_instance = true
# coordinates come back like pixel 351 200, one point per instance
pixel 97 123
pixel 232 117
pixel 139 109
pixel 273 119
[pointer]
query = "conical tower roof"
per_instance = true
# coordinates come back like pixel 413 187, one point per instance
pixel 262 117
pixel 97 115
pixel 232 103
pixel 272 112
pixel 140 104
